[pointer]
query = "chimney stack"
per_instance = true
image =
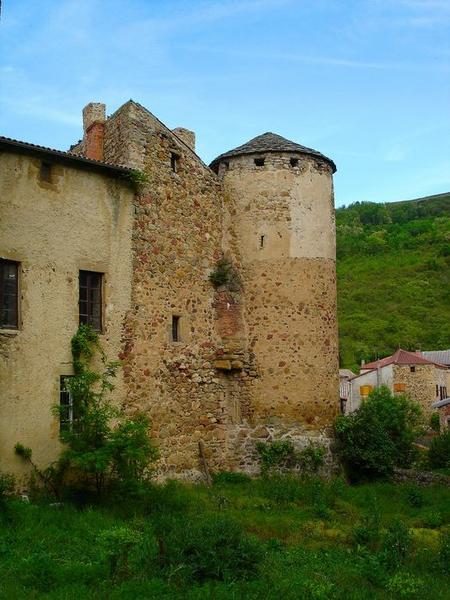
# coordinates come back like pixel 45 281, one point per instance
pixel 94 130
pixel 186 135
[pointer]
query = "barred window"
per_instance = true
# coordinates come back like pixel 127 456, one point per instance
pixel 68 414
pixel 90 302
pixel 9 294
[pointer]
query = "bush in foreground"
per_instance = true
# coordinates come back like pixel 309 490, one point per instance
pixel 379 435
pixel 439 453
pixel 214 548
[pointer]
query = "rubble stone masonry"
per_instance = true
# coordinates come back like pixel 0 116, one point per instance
pixel 256 360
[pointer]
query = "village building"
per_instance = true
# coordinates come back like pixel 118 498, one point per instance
pixel 249 356
pixel 345 375
pixel 443 408
pixel 403 372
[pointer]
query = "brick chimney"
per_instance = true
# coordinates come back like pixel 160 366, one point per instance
pixel 94 130
pixel 186 135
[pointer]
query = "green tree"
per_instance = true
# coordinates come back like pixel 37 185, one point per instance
pixel 103 445
pixel 379 435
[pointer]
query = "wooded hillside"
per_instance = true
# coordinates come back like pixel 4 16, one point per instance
pixel 393 277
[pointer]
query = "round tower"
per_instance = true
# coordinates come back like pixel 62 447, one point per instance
pixel 279 197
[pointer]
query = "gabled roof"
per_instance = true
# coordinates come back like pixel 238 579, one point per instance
pixel 439 356
pixel 402 357
pixel 271 142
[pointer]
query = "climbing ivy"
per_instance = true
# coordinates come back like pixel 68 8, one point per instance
pixel 102 445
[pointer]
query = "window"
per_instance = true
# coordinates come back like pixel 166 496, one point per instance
pixel 259 162
pixel 437 391
pixel 68 415
pixel 45 173
pixel 262 239
pixel 174 159
pixel 175 328
pixel 294 162
pixel 412 369
pixel 90 303
pixel 9 294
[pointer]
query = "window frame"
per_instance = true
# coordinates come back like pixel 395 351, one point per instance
pixel 66 425
pixel 16 295
pixel 87 318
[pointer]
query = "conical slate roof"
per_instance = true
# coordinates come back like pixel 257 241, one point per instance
pixel 270 142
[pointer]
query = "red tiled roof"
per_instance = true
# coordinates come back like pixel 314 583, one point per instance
pixel 401 357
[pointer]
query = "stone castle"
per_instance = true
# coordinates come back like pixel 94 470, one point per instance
pixel 249 354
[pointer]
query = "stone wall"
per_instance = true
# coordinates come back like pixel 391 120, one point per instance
pixel 420 384
pixel 281 233
pixel 257 357
pixel 176 243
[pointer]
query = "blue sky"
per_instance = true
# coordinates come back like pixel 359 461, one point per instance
pixel 366 82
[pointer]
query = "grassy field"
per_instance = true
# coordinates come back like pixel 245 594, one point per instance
pixel 274 538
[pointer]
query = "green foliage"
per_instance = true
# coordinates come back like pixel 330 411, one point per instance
pixel 138 179
pixel 276 455
pixel 444 553
pixel 212 548
pixel 414 496
pixel 7 485
pixel 226 477
pixel 23 451
pixel 405 585
pixel 280 455
pixel 104 446
pixel 51 476
pixel 432 519
pixel 222 274
pixel 367 531
pixel 396 544
pixel 439 452
pixel 162 543
pixel 117 545
pixel 393 275
pixel 379 435
pixel 435 422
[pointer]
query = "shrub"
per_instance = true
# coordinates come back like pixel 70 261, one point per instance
pixel 214 548
pixel 396 544
pixel 116 546
pixel 276 455
pixel 444 553
pixel 432 519
pixel 282 488
pixel 7 485
pixel 367 532
pixel 281 455
pixel 414 496
pixel 404 585
pixel 439 452
pixel 225 477
pixel 102 446
pixel 435 421
pixel 379 435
